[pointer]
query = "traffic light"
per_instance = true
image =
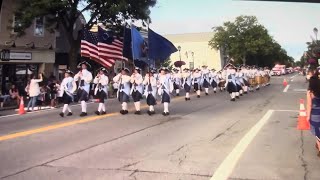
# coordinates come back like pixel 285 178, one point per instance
pixel 5 55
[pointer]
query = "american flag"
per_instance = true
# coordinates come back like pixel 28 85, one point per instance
pixel 101 48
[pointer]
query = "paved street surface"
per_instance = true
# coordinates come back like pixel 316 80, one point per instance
pixel 210 137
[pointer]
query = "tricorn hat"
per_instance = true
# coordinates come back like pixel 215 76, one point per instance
pixel 83 62
pixel 103 69
pixel 125 69
pixel 68 71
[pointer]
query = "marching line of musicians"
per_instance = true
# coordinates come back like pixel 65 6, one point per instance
pixel 158 83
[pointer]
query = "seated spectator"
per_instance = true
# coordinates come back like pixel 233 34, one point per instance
pixel 53 89
pixel 14 93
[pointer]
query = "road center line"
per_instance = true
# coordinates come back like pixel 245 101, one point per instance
pixel 226 167
pixel 70 123
pixel 286 89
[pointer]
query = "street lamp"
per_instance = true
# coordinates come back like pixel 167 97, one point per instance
pixel 315 31
pixel 192 53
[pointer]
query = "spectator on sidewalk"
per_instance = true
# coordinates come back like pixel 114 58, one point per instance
pixel 53 90
pixel 33 90
pixel 313 107
pixel 14 93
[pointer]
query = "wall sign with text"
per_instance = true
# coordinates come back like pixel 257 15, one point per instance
pixel 20 56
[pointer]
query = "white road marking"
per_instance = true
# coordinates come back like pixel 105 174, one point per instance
pixel 226 167
pixel 293 76
pixel 39 111
pixel 300 90
pixel 291 80
pixel 286 89
pixel 286 110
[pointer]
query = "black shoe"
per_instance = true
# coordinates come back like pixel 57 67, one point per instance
pixel 207 94
pixel 167 113
pixel 164 114
pixel 83 114
pixel 220 90
pixel 241 94
pixel 237 97
pixel 245 92
pixel 137 112
pixel 69 114
pixel 103 113
pixel 126 111
pixel 177 94
pixel 149 112
pixel 61 114
pixel 215 91
pixel 189 99
pixel 186 99
pixel 97 113
pixel 233 99
pixel 257 89
pixel 122 112
pixel 198 96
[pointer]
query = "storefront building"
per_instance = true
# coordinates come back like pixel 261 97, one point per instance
pixel 32 53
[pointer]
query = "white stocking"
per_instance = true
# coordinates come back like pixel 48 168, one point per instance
pixel 65 107
pixel 207 90
pixel 198 92
pixel 124 106
pixel 103 107
pixel 151 108
pixel 83 106
pixel 187 95
pixel 100 107
pixel 177 91
pixel 237 93
pixel 69 109
pixel 137 105
pixel 166 107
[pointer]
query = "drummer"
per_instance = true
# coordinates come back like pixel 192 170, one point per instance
pixel 257 77
pixel 267 72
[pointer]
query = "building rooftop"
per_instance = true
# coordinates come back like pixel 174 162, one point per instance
pixel 190 37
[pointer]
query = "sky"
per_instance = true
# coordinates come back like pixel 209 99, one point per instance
pixel 291 24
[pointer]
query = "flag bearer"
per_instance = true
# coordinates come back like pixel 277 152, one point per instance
pixel 123 79
pixel 150 83
pixel 186 84
pixel 137 89
pixel 101 89
pixel 84 78
pixel 165 87
pixel 67 88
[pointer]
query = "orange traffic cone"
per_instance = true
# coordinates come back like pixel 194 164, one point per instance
pixel 21 107
pixel 285 83
pixel 303 123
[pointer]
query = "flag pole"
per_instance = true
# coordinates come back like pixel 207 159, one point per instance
pixel 132 44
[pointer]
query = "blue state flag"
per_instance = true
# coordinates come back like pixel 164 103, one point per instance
pixel 159 48
pixel 138 44
pixel 127 49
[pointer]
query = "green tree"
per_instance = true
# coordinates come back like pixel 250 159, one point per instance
pixel 66 13
pixel 248 42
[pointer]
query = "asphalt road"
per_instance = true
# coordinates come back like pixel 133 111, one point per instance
pixel 207 138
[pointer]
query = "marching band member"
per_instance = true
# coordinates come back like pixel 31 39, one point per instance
pixel 186 75
pixel 267 72
pixel 84 77
pixel 231 81
pixel 101 89
pixel 262 74
pixel 137 89
pixel 165 87
pixel 239 83
pixel 196 80
pixel 205 79
pixel 214 80
pixel 176 78
pixel 222 80
pixel 124 89
pixel 150 83
pixel 67 88
pixel 244 74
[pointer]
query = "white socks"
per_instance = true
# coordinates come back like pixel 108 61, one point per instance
pixel 245 88
pixel 207 90
pixel 214 89
pixel 241 91
pixel 177 91
pixel 101 107
pixel 198 92
pixel 165 107
pixel 187 95
pixel 151 108
pixel 65 108
pixel 124 106
pixel 137 105
pixel 83 106
pixel 237 93
pixel 233 95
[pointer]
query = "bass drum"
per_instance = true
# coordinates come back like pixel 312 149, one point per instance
pixel 252 82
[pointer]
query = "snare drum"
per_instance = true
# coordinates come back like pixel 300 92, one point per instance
pixel 258 79
pixel 222 83
pixel 252 81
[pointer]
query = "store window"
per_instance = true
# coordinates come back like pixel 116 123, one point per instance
pixel 39 26
pixel 16 24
